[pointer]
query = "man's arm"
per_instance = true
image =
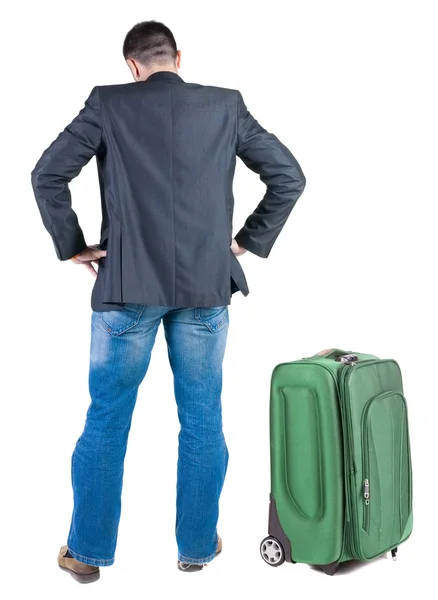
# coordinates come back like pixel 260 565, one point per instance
pixel 58 165
pixel 264 154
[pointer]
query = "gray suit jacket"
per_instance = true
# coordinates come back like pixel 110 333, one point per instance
pixel 166 154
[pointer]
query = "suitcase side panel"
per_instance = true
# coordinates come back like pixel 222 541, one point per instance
pixel 306 460
pixel 381 484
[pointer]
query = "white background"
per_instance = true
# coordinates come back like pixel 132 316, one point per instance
pixel 350 87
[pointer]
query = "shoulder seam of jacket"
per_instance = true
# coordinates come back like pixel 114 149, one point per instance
pixel 100 112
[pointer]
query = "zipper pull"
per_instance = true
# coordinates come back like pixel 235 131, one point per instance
pixel 366 491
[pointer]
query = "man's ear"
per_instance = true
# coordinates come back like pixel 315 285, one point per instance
pixel 178 59
pixel 133 67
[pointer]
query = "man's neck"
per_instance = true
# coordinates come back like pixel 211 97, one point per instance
pixel 161 69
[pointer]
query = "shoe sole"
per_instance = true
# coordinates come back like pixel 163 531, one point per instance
pixel 194 568
pixel 82 577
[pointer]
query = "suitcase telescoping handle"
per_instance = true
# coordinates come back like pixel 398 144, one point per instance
pixel 344 356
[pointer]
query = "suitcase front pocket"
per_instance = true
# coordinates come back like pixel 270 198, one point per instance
pixel 386 470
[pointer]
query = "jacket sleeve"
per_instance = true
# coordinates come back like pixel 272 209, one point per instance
pixel 60 163
pixel 264 154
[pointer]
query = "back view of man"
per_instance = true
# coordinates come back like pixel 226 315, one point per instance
pixel 166 153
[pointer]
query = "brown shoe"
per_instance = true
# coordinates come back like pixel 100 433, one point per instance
pixel 192 568
pixel 78 570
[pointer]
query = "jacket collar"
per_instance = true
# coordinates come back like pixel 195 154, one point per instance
pixel 165 76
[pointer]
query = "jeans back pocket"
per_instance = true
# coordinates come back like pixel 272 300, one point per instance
pixel 213 317
pixel 116 322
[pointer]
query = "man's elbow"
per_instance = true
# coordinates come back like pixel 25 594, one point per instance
pixel 36 176
pixel 299 177
pixel 42 177
pixel 296 180
pixel 301 182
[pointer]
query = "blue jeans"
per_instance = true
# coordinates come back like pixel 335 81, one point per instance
pixel 121 345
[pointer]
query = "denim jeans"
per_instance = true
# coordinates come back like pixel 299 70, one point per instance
pixel 121 345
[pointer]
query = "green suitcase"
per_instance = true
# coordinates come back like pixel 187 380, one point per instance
pixel 341 475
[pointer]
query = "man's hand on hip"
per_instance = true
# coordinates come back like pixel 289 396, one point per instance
pixel 90 255
pixel 236 249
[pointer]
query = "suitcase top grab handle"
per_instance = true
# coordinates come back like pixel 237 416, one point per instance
pixel 336 353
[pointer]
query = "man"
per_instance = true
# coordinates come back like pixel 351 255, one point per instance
pixel 166 153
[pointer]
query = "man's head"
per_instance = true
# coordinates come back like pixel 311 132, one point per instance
pixel 149 47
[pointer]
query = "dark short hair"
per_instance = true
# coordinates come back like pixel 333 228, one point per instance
pixel 150 42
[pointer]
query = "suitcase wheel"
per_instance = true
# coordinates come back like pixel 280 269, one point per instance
pixel 272 551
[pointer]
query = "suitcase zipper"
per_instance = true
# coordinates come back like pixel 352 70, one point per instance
pixel 366 470
pixel 366 510
pixel 350 480
pixel 351 467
